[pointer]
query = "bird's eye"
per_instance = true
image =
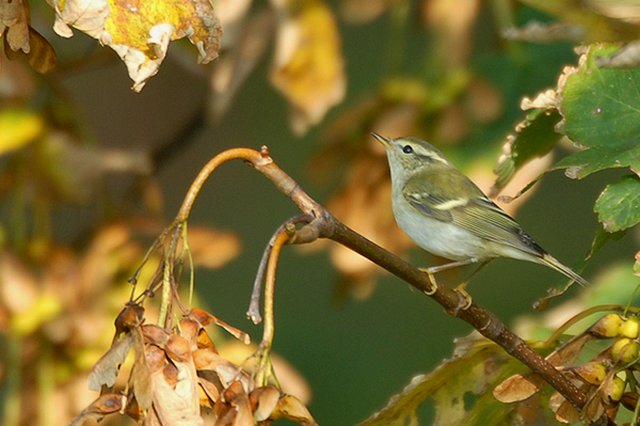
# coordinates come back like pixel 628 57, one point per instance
pixel 407 149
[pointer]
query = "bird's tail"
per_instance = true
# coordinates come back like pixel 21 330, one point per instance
pixel 554 263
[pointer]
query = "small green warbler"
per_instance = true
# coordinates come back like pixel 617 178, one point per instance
pixel 445 213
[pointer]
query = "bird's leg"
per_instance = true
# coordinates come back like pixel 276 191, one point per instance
pixel 432 270
pixel 465 297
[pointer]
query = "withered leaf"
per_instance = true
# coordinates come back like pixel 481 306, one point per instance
pixel 141 372
pixel 41 56
pixel 14 18
pixel 105 404
pixel 241 411
pixel 517 388
pixel 155 334
pixel 178 349
pixel 264 400
pixel 308 67
pixel 290 407
pixel 177 404
pixel 210 390
pixel 129 317
pixel 106 369
pixel 205 318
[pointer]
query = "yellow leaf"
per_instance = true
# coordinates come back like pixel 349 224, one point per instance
pixel 308 67
pixel 18 127
pixel 140 30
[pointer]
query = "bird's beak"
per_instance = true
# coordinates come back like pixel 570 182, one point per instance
pixel 384 141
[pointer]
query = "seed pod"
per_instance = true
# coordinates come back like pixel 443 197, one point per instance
pixel 630 328
pixel 625 350
pixel 592 372
pixel 617 389
pixel 607 326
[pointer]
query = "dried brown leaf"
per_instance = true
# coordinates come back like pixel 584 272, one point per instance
pixel 189 330
pixel 211 390
pixel 155 334
pixel 517 388
pixel 225 370
pixel 205 318
pixel 237 398
pixel 141 373
pixel 264 401
pixel 14 18
pixel 129 318
pixel 104 405
pixel 178 404
pixel 41 56
pixel 308 67
pixel 291 408
pixel 105 371
pixel 178 349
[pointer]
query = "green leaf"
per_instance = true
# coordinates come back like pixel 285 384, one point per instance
pixel 535 136
pixel 583 163
pixel 601 106
pixel 461 388
pixel 618 207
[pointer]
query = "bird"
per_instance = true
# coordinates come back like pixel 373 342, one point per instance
pixel 446 214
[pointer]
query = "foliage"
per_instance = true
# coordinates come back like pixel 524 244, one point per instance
pixel 452 74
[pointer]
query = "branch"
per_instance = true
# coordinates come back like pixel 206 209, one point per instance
pixel 324 225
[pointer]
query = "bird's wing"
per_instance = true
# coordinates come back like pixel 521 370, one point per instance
pixel 474 212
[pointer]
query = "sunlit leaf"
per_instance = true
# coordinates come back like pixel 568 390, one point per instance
pixel 582 163
pixel 140 30
pixel 618 207
pixel 601 106
pixel 468 376
pixel 308 66
pixel 18 127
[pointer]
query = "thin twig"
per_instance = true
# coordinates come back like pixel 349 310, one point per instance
pixel 253 313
